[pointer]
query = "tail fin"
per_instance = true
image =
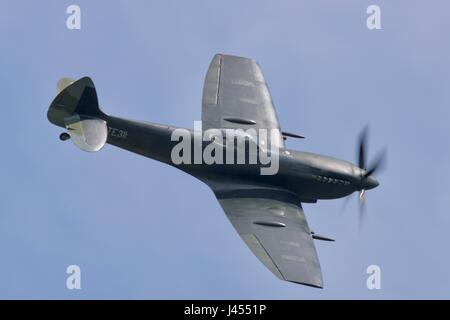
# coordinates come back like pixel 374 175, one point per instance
pixel 78 97
pixel 76 109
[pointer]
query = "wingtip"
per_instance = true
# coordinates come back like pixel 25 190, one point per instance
pixel 312 285
pixel 222 55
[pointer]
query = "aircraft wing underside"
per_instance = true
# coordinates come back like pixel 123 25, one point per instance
pixel 273 225
pixel 235 95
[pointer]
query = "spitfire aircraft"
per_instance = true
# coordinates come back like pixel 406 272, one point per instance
pixel 265 209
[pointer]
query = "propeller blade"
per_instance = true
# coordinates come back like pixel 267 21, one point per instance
pixel 378 163
pixel 362 148
pixel 362 206
pixel 361 218
pixel 345 203
pixel 367 181
pixel 362 195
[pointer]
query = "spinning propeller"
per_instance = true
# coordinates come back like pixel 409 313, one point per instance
pixel 367 180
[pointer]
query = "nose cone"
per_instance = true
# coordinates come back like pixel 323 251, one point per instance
pixel 370 182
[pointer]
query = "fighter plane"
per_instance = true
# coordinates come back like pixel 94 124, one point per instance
pixel 265 210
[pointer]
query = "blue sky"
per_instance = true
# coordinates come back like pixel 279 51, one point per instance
pixel 140 229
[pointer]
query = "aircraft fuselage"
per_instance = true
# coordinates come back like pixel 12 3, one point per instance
pixel 310 176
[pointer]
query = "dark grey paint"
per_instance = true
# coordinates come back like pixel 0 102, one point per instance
pixel 265 210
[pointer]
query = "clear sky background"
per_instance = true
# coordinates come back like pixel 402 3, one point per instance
pixel 141 229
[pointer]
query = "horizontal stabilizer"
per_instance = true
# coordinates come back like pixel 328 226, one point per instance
pixel 88 134
pixel 64 83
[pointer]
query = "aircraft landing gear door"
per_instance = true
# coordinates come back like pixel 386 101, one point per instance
pixel 88 134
